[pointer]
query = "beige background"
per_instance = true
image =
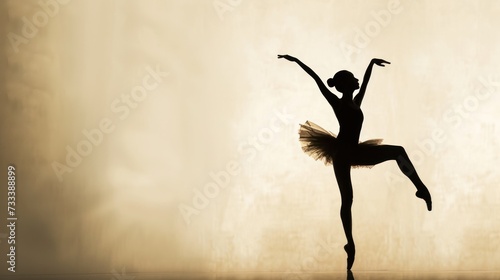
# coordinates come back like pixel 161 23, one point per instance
pixel 119 208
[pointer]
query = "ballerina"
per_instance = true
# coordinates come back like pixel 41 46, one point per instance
pixel 345 151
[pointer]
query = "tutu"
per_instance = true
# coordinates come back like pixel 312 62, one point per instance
pixel 323 145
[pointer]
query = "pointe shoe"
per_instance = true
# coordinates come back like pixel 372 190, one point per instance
pixel 350 255
pixel 425 195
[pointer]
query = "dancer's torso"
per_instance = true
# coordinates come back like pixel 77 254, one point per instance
pixel 350 119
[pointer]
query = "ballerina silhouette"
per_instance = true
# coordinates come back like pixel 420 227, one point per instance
pixel 345 151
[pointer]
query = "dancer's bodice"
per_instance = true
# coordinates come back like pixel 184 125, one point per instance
pixel 350 119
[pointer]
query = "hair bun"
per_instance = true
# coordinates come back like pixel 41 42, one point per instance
pixel 330 82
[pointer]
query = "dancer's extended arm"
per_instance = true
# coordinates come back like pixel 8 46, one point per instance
pixel 359 97
pixel 332 98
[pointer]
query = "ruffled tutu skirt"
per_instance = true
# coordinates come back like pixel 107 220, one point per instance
pixel 323 145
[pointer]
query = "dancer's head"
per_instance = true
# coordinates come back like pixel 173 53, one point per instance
pixel 344 81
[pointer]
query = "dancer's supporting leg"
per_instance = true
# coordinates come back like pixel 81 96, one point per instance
pixel 343 175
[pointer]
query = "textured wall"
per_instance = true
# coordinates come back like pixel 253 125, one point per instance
pixel 162 135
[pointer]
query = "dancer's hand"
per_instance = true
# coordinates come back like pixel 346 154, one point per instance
pixel 287 57
pixel 380 62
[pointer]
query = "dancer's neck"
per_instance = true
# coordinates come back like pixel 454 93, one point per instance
pixel 347 95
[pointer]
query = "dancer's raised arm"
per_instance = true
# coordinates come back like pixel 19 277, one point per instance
pixel 332 98
pixel 366 78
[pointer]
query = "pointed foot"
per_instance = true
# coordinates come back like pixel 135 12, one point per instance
pixel 425 195
pixel 350 250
